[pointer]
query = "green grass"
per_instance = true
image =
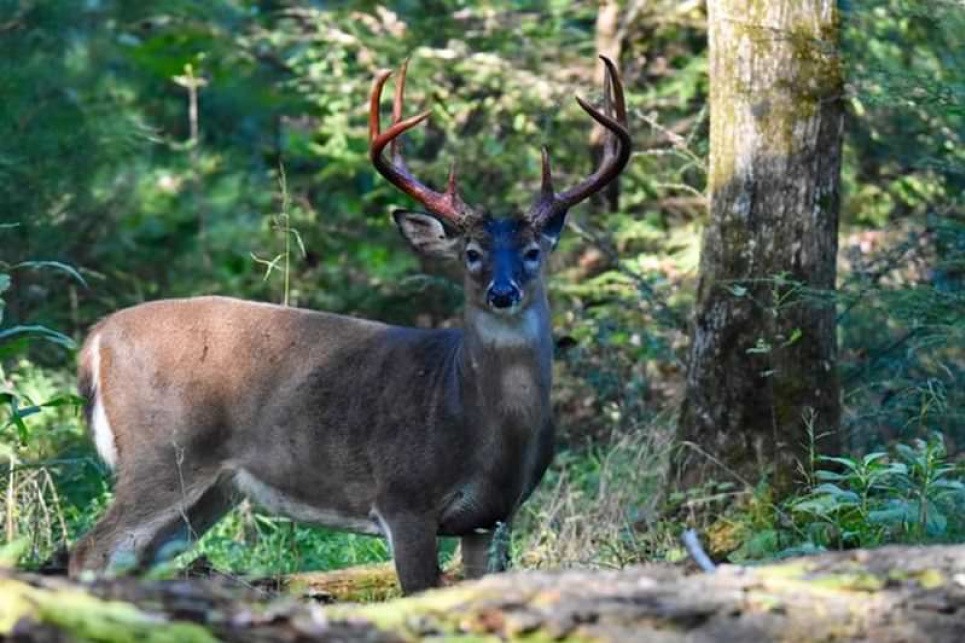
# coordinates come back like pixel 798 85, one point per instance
pixel 250 543
pixel 255 544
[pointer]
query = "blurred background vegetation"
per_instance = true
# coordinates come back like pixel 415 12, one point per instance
pixel 113 193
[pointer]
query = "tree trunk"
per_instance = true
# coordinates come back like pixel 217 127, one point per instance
pixel 608 44
pixel 762 373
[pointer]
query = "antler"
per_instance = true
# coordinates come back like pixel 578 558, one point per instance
pixel 448 205
pixel 616 152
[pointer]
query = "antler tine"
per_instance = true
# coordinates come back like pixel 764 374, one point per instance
pixel 616 151
pixel 448 205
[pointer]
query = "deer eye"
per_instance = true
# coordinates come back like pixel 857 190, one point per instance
pixel 531 255
pixel 473 257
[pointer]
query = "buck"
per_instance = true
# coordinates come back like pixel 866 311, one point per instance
pixel 347 423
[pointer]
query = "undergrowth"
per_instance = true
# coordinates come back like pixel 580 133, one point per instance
pixel 910 494
pixel 600 507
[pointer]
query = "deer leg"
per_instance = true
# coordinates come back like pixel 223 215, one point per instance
pixel 475 554
pixel 486 552
pixel 412 539
pixel 146 524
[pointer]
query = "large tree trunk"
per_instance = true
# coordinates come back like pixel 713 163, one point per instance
pixel 762 361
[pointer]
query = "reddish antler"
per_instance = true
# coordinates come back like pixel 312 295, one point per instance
pixel 447 205
pixel 616 152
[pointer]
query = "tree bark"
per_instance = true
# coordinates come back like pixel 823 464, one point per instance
pixel 761 378
pixel 608 44
pixel 906 594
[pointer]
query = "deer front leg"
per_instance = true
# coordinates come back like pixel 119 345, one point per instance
pixel 412 539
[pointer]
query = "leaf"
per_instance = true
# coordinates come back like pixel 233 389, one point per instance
pixel 42 331
pixel 936 524
pixel 873 457
pixel 819 506
pixel 27 411
pixel 23 434
pixel 822 474
pixel 890 516
pixel 298 239
pixel 898 469
pixel 837 492
pixel 907 453
pixel 761 347
pixel 55 265
pixel 67 399
pixel 796 334
pixel 848 463
pixel 940 472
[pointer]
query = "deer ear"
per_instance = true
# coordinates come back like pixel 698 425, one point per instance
pixel 426 234
pixel 553 228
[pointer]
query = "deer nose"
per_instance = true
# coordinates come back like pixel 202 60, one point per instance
pixel 503 295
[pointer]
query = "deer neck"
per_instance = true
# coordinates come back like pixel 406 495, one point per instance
pixel 506 363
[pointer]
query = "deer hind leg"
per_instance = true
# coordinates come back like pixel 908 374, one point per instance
pixel 474 549
pixel 149 522
pixel 485 552
pixel 412 539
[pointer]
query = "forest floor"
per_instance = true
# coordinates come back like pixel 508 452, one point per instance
pixel 889 594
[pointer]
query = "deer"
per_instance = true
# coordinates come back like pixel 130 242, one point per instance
pixel 352 424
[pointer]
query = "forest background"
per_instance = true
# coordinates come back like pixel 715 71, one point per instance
pixel 116 189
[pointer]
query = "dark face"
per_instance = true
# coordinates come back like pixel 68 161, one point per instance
pixel 502 259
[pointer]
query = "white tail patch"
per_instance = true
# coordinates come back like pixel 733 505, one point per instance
pixel 100 425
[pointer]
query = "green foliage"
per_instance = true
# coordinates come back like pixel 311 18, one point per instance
pixel 911 493
pixel 35 422
pixel 250 543
pixel 904 174
pixel 915 496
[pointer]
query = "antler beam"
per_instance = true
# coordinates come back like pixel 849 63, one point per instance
pixel 447 205
pixel 616 152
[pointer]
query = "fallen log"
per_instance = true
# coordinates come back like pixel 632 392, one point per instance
pixel 889 594
pixel 361 584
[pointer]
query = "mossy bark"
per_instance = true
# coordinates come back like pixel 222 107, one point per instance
pixel 360 584
pixel 762 360
pixel 904 594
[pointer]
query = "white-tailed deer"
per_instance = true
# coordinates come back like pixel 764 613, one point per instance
pixel 338 421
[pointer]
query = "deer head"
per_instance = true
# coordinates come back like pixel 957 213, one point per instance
pixel 502 260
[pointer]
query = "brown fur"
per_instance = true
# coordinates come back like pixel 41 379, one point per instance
pixel 340 414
